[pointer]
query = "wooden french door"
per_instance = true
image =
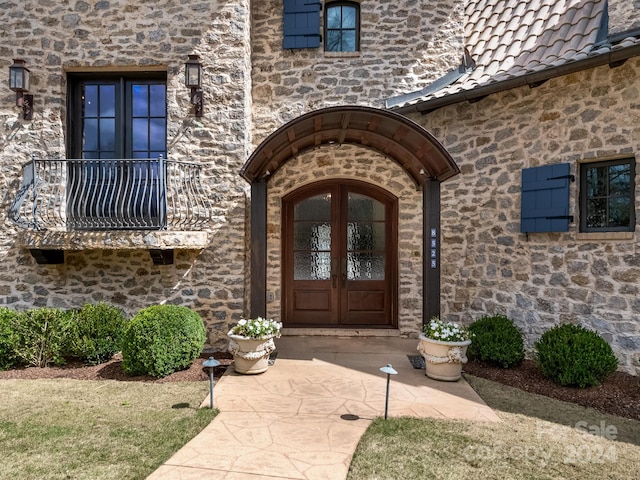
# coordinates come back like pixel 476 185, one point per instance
pixel 340 256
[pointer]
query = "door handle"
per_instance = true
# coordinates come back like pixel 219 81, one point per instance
pixel 334 272
pixel 344 272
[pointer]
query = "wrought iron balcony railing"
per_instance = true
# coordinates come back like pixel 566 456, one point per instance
pixel 111 194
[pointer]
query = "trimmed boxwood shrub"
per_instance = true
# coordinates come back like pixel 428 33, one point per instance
pixel 496 340
pixel 43 336
pixel 99 331
pixel 162 339
pixel 7 338
pixel 571 355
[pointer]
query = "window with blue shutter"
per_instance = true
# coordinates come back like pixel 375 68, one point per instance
pixel 301 24
pixel 545 199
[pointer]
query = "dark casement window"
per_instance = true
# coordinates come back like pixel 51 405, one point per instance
pixel 118 131
pixel 117 117
pixel 342 27
pixel 607 193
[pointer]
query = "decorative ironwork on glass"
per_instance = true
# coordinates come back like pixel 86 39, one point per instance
pixel 312 265
pixel 312 238
pixel 365 266
pixel 365 238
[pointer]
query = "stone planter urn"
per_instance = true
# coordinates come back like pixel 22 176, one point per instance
pixel 251 344
pixel 443 359
pixel 250 355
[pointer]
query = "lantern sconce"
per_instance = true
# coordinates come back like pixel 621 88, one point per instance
pixel 19 82
pixel 193 80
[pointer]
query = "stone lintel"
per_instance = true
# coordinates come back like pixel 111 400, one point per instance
pixel 113 240
pixel 592 236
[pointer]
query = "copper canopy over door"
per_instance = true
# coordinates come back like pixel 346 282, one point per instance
pixel 340 256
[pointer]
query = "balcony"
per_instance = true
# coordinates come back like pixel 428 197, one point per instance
pixel 74 204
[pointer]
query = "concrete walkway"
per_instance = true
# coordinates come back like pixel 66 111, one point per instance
pixel 289 422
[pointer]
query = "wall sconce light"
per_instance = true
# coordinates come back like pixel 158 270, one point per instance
pixel 19 82
pixel 193 80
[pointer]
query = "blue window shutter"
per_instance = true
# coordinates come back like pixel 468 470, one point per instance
pixel 301 24
pixel 545 199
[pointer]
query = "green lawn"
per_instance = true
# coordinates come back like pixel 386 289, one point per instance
pixel 71 429
pixel 538 438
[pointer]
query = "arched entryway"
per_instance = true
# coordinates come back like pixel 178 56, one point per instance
pixel 339 251
pixel 395 137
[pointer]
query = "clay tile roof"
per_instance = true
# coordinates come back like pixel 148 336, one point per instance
pixel 512 40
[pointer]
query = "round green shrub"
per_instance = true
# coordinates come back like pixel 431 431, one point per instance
pixel 43 336
pixel 162 339
pixel 496 340
pixel 571 355
pixel 8 357
pixel 99 330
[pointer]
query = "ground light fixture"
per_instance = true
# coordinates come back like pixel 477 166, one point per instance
pixel 211 363
pixel 19 82
pixel 193 80
pixel 389 370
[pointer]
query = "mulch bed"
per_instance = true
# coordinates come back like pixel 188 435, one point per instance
pixel 618 395
pixel 112 370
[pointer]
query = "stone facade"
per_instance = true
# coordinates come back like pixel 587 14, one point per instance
pixel 56 38
pixel 623 15
pixel 405 45
pixel 545 278
pixel 252 87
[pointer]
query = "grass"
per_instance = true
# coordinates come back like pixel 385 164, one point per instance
pixel 538 438
pixel 69 429
pixel 98 430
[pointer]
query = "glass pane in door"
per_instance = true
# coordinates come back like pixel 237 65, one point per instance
pixel 365 238
pixel 312 238
pixel 99 121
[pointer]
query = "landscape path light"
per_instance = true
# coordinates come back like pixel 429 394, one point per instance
pixel 389 370
pixel 211 363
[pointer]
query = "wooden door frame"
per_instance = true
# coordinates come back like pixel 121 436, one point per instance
pixel 391 237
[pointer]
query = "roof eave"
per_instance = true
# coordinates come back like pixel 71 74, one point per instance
pixel 534 78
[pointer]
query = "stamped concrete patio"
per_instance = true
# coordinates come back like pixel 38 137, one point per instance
pixel 292 422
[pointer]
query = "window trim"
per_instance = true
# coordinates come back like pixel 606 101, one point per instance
pixel 584 166
pixel 325 29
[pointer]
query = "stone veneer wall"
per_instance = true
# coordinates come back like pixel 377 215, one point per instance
pixel 623 15
pixel 55 37
pixel 488 266
pixel 348 161
pixel 405 45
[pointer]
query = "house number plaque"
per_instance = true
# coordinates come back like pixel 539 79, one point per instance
pixel 434 248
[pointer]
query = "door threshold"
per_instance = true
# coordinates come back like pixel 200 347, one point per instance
pixel 341 332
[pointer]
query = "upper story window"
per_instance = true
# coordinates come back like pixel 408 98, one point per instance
pixel 607 196
pixel 117 117
pixel 118 132
pixel 342 27
pixel 301 25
